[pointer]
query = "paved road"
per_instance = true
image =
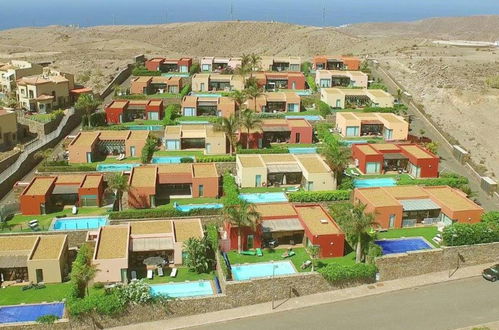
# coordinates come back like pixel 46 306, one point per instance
pixel 448 305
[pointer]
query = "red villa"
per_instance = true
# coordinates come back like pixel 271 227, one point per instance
pixel 120 111
pixel 166 65
pixel 289 131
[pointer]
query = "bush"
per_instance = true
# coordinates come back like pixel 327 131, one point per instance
pixel 67 168
pixel 106 304
pixel 491 217
pixel 212 234
pixel 470 233
pixel 378 86
pixel 47 319
pixel 195 68
pixel 324 109
pixel 148 149
pixel 136 292
pixel 231 191
pixel 167 212
pixel 347 183
pixel 98 285
pixel 98 119
pixel 171 113
pixel 142 71
pixel 200 255
pixel 373 251
pixel 186 160
pixel 185 90
pixel 454 182
pixel 133 97
pixel 215 159
pixel 305 67
pixel 276 150
pixel 345 274
pixel 311 83
pixel 319 196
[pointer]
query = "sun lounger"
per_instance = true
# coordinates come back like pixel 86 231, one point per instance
pixel 437 239
pixel 288 254
pixel 306 264
pixel 74 210
pixel 174 272
pixel 160 271
pixel 259 252
pixel 134 275
pixel 150 274
pixel 248 253
pixel 33 222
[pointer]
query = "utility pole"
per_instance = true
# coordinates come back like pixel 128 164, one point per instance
pixel 114 19
pixel 166 16
pixel 231 11
pixel 324 15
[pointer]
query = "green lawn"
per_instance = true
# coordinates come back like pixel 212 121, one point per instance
pixel 143 122
pixel 14 295
pixel 348 259
pixel 183 274
pixel 180 153
pixel 199 200
pixel 197 118
pixel 20 222
pixel 42 117
pixel 163 96
pixel 427 232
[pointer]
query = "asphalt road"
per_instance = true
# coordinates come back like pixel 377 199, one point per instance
pixel 448 305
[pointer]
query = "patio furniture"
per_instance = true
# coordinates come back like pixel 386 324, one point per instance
pixel 150 274
pixel 154 261
pixel 160 272
pixel 74 210
pixel 289 253
pixel 306 264
pixel 134 275
pixel 248 253
pixel 174 272
pixel 437 240
pixel 33 222
pixel 259 252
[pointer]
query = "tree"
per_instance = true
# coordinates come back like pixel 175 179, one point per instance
pixel 399 95
pixel 119 184
pixel 195 68
pixel 239 97
pixel 432 147
pixel 148 149
pixel 230 126
pixel 337 156
pixel 87 104
pixel 254 62
pixel 422 132
pixel 253 92
pixel 242 215
pixel 82 271
pixel 313 251
pixel 250 121
pixel 44 155
pixel 200 254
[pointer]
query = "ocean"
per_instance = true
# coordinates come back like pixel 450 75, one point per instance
pixel 309 12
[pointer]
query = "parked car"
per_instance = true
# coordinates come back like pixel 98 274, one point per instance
pixel 491 273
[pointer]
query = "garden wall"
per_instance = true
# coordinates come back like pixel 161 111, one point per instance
pixel 415 263
pixel 37 127
pixel 6 162
pixel 226 166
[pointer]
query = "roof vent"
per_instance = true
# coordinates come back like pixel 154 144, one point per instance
pixel 324 221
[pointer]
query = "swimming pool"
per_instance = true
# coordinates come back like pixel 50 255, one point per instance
pixel 206 94
pixel 305 92
pixel 183 289
pixel 350 142
pixel 307 117
pixel 302 150
pixel 274 197
pixel 78 223
pixel 377 182
pixel 29 313
pixel 402 245
pixel 193 122
pixel 116 167
pixel 145 127
pixel 264 269
pixel 190 207
pixel 169 159
pixel 175 74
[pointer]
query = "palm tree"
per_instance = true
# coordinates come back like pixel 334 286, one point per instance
pixel 250 121
pixel 82 270
pixel 44 155
pixel 253 92
pixel 230 126
pixel 119 184
pixel 313 251
pixel 242 215
pixel 357 224
pixel 337 156
pixel 239 97
pixel 254 62
pixel 87 104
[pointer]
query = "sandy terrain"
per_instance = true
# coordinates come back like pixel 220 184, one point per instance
pixel 448 81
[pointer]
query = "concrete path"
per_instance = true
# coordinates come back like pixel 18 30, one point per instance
pixel 311 300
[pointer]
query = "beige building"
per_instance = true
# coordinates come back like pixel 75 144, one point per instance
pixel 14 70
pixel 195 137
pixel 219 64
pixel 220 106
pixel 386 125
pixel 308 170
pixel 121 249
pixel 37 259
pixel 276 102
pixel 8 129
pixel 342 98
pixel 213 82
pixel 45 92
pixel 332 78
pixel 280 63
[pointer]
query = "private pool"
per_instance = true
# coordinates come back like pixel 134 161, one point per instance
pixel 190 207
pixel 206 94
pixel 29 313
pixel 274 197
pixel 263 269
pixel 78 223
pixel 116 167
pixel 175 74
pixel 377 182
pixel 402 245
pixel 307 117
pixel 193 122
pixel 302 150
pixel 168 159
pixel 145 127
pixel 350 142
pixel 183 289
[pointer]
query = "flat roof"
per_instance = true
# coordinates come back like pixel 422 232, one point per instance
pixel 40 186
pixel 144 176
pixel 298 122
pixel 119 104
pixel 92 181
pixel 85 139
pixel 416 151
pixel 285 210
pixel 138 135
pixel 452 199
pixel 187 228
pixel 313 217
pixel 113 242
pixel 151 227
pixel 204 170
pixel 385 146
pixel 14 245
pixel 49 247
pixel 250 160
pixel 113 135
pixel 406 192
pixel 313 163
pixel 70 178
pixel 278 158
pixel 378 197
pixel 175 168
pixel 367 149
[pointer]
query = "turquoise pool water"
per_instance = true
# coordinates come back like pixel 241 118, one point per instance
pixel 168 159
pixel 264 269
pixel 116 167
pixel 183 289
pixel 194 122
pixel 305 92
pixel 307 117
pixel 190 207
pixel 145 127
pixel 390 246
pixel 175 74
pixel 79 223
pixel 302 150
pixel 377 182
pixel 206 94
pixel 350 142
pixel 29 313
pixel 274 197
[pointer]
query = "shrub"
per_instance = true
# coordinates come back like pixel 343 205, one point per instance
pixel 72 168
pixel 136 292
pixel 98 119
pixel 185 90
pixel 311 83
pixel 133 97
pixel 346 184
pixel 47 319
pixel 171 113
pixel 378 86
pixel 276 150
pixel 186 160
pixel 167 212
pixel 98 285
pixel 319 196
pixel 345 274
pixel 200 255
pixel 195 68
pixel 454 182
pixel 148 149
pixel 231 191
pixel 107 304
pixel 324 109
pixel 470 233
pixel 212 234
pixel 306 67
pixel 373 251
pixel 215 159
pixel 491 217
pixel 142 71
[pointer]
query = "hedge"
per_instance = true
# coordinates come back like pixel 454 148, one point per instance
pixel 171 112
pixel 491 217
pixel 471 233
pixel 277 150
pixel 168 212
pixel 324 108
pixel 319 196
pixel 231 191
pixel 344 274
pixel 67 168
pixel 142 71
pixel 185 90
pixel 311 83
pixel 215 159
pixel 454 182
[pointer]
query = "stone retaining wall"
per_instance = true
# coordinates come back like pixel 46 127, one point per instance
pixel 226 166
pixel 6 162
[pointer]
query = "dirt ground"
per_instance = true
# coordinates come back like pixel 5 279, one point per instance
pixel 448 81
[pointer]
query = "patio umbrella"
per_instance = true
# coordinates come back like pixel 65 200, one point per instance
pixel 154 261
pixel 284 179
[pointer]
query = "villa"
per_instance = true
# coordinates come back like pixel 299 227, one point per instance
pixel 272 81
pixel 14 70
pixel 156 185
pixel 333 78
pixel 165 65
pixel 280 63
pixel 341 98
pixel 385 157
pixel 336 63
pixel 8 129
pixel 409 206
pixel 288 131
pixel 195 137
pixel 219 64
pixel 155 84
pixel 387 125
pixel 307 170
pixel 34 258
pixel 273 102
pixel 90 146
pixel 291 226
pixel 213 82
pixel 122 249
pixel 122 111
pixel 215 105
pixel 44 194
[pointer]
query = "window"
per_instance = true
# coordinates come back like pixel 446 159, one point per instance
pixel 310 185
pixel 293 85
pixel 202 87
pixel 325 83
pixel 352 131
pixel 338 103
pixel 205 67
pixel 31 95
pixel 293 107
pixel 294 67
pixel 172 145
pixel 388 134
pixel 189 111
pixel 372 168
pixel 201 190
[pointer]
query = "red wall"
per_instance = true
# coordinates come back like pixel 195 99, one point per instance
pixel 254 137
pixel 152 66
pixel 30 205
pixel 305 134
pixel 154 108
pixel 185 61
pixel 245 231
pixel 298 80
pixel 99 191
pixel 364 159
pixel 330 245
pixel 113 115
pixel 210 187
pixel 352 63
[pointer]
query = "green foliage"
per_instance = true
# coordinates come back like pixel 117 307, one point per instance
pixel 471 233
pixel 185 90
pixel 377 85
pixel 98 119
pixel 337 155
pixel 87 104
pixel 119 184
pixel 195 68
pixel 345 274
pixel 216 159
pixel 148 149
pixel 373 251
pixel 47 319
pixel 186 160
pixel 212 234
pixel 82 271
pixel 276 150
pixel 306 67
pixel 364 67
pixel 346 184
pixel 98 285
pixel 249 121
pixel 319 196
pixel 142 71
pixel 133 97
pixel 163 212
pixel 67 168
pixel 230 126
pixel 106 304
pixel 491 217
pixel 454 182
pixel 136 292
pixel 493 82
pixel 172 111
pixel 231 191
pixel 47 117
pixel 324 109
pixel 398 109
pixel 200 254
pixel 311 83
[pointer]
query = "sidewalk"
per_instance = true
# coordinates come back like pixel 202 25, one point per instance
pixel 310 300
